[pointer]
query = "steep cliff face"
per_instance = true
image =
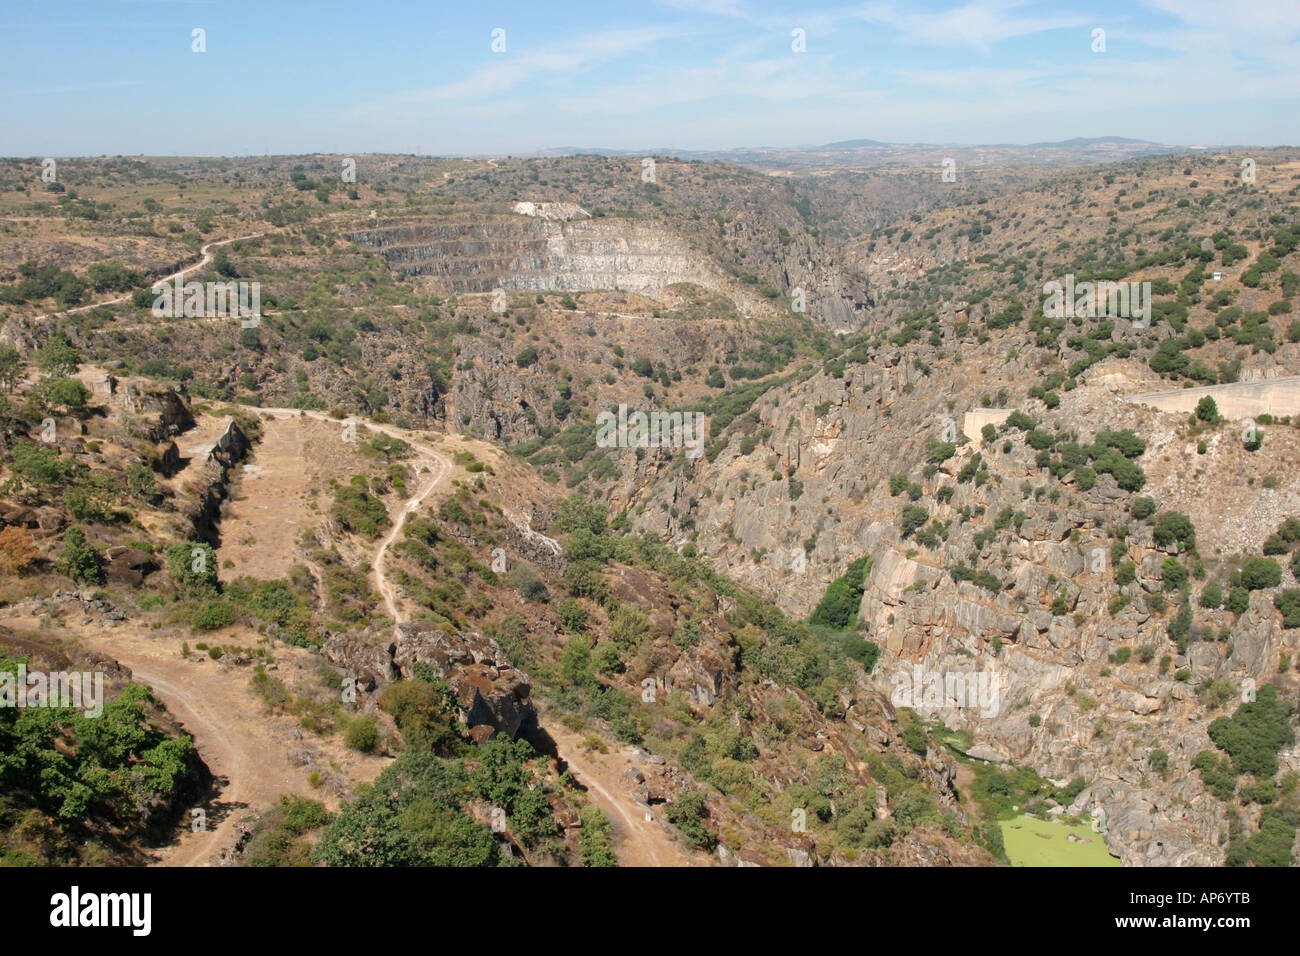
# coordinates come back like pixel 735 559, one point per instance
pixel 528 252
pixel 1091 677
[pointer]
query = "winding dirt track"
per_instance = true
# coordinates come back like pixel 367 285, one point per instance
pixel 206 257
pixel 240 750
pixel 438 467
pixel 638 842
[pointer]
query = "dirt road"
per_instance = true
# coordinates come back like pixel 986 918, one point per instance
pixel 638 842
pixel 247 751
pixel 205 257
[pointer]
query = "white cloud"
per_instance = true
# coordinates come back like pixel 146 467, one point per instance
pixel 506 71
pixel 979 25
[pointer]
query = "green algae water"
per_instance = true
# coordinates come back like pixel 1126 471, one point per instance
pixel 1030 841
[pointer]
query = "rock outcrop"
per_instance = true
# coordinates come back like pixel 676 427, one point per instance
pixel 493 695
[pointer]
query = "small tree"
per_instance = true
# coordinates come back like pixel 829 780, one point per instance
pixel 59 392
pixel 79 560
pixel 1173 573
pixel 1207 410
pixel 1174 526
pixel 57 357
pixel 362 734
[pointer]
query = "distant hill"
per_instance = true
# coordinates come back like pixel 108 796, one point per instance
pixel 855 144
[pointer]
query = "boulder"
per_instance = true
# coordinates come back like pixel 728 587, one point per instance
pixel 126 565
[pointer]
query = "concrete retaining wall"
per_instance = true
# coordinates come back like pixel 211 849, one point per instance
pixel 1271 396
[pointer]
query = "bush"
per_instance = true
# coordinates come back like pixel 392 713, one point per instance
pixel 426 714
pixel 1207 410
pixel 529 583
pixel 411 816
pixel 940 451
pixel 1174 526
pixel 914 516
pixel 362 734
pixel 1216 774
pixel 193 567
pixel 1274 544
pixel 1212 595
pixel 688 813
pixel 573 616
pixel 59 392
pixel 594 838
pixel 1288 603
pixel 1253 735
pixel 1260 573
pixel 1142 508
pixel 18 551
pixel 213 614
pixel 838 608
pixel 1273 843
pixel 79 560
pixel 1173 574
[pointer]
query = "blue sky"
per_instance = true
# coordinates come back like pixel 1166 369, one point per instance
pixel 90 77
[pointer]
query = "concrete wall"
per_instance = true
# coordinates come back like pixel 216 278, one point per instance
pixel 1270 396
pixel 974 420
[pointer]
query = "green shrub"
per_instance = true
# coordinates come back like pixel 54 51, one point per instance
pixel 1212 595
pixel 572 615
pixel 1255 734
pixel 1173 574
pixel 688 814
pixel 212 614
pixel 192 567
pixel 1174 526
pixel 1142 508
pixel 362 734
pixel 1288 603
pixel 1260 573
pixel 426 713
pixel 838 607
pixel 79 559
pixel 914 516
pixel 1207 410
